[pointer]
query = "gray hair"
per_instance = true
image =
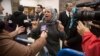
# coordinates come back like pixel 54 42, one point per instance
pixel 53 12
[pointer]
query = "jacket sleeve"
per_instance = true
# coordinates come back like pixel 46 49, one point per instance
pixel 35 47
pixel 63 36
pixel 90 43
pixel 60 18
pixel 35 33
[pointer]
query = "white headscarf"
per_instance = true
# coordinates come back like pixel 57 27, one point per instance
pixel 53 13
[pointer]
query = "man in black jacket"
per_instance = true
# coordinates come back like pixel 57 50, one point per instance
pixel 39 12
pixel 64 17
pixel 18 18
pixel 73 38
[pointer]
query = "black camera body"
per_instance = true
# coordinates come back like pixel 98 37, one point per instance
pixel 87 15
pixel 79 15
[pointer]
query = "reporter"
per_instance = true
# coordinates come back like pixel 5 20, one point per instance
pixel 9 47
pixel 90 44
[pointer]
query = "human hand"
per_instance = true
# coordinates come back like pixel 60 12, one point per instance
pixel 43 34
pixel 60 26
pixel 81 28
pixel 20 29
pixel 65 43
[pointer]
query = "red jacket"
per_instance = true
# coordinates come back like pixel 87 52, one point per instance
pixel 91 44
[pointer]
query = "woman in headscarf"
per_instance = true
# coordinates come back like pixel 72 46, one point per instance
pixel 54 28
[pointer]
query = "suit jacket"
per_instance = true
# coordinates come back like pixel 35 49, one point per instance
pixel 63 17
pixel 39 16
pixel 73 38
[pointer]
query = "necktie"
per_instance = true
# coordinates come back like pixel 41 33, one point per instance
pixel 71 21
pixel 69 15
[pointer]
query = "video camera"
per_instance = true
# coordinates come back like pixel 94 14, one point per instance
pixel 87 15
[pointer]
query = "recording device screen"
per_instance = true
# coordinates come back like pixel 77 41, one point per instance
pixel 43 28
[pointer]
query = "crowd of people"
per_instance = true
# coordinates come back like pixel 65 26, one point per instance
pixel 9 47
pixel 47 28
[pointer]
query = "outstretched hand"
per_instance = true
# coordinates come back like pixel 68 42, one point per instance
pixel 20 29
pixel 82 28
pixel 43 34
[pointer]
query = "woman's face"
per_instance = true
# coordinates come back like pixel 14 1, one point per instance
pixel 48 14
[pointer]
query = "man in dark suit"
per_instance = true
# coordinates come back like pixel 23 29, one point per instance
pixel 39 12
pixel 73 40
pixel 64 16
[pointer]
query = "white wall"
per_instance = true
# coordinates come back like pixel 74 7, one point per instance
pixel 30 3
pixel 50 3
pixel 7 6
pixel 45 3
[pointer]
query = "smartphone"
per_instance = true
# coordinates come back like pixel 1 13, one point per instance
pixel 43 28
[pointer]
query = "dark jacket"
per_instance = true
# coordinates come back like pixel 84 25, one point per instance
pixel 54 35
pixel 65 20
pixel 18 18
pixel 74 39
